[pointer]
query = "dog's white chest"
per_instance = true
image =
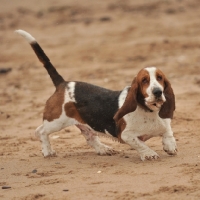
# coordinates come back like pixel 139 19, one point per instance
pixel 145 123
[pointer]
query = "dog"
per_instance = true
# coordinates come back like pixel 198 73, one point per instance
pixel 132 116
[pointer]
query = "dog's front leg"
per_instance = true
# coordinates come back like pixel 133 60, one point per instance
pixel 169 143
pixel 168 140
pixel 145 152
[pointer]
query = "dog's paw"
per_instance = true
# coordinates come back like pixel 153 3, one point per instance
pixel 105 150
pixel 149 155
pixel 169 145
pixel 47 154
pixel 171 151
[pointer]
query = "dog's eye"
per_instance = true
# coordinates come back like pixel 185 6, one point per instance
pixel 159 78
pixel 144 80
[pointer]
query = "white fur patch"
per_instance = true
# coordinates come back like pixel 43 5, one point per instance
pixel 26 35
pixel 122 96
pixel 146 123
pixel 70 92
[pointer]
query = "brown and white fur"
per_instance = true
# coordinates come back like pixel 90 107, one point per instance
pixel 133 115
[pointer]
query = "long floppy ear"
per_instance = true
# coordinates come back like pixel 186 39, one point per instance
pixel 167 109
pixel 130 102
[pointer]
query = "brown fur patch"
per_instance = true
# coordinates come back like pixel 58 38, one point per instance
pixel 121 125
pixel 168 107
pixel 53 107
pixel 130 103
pixel 143 80
pixel 144 137
pixel 160 77
pixel 71 111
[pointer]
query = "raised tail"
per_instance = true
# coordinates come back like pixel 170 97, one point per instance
pixel 55 76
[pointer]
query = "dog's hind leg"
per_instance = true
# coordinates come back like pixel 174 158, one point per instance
pixel 54 119
pixel 43 133
pixel 93 140
pixel 44 130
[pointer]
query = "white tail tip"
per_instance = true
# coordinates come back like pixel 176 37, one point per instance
pixel 26 35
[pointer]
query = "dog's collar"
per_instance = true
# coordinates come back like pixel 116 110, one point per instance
pixel 145 108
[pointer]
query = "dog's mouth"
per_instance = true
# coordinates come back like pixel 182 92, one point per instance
pixel 155 105
pixel 158 105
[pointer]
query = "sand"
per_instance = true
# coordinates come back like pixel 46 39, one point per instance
pixel 104 43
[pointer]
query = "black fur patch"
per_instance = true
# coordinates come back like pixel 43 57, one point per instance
pixel 97 106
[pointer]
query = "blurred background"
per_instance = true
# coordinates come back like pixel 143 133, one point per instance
pixel 104 43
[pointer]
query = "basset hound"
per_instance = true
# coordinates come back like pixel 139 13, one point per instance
pixel 133 115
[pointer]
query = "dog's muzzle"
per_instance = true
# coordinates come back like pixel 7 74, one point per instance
pixel 157 99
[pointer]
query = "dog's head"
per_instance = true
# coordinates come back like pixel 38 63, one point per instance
pixel 150 90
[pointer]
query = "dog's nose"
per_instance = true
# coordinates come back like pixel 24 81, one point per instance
pixel 157 92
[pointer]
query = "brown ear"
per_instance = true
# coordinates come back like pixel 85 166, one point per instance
pixel 130 102
pixel 167 109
